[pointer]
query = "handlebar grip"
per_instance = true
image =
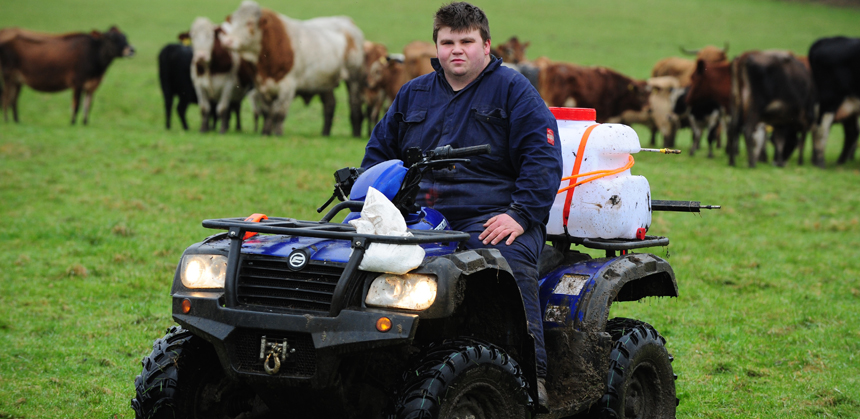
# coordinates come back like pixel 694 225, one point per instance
pixel 447 152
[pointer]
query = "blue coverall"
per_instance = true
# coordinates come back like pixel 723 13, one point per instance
pixel 520 177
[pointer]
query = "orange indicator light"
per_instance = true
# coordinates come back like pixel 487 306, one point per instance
pixel 383 324
pixel 186 306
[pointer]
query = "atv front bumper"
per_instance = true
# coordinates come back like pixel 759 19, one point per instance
pixel 311 345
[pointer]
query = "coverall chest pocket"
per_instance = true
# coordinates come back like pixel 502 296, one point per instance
pixel 411 126
pixel 491 126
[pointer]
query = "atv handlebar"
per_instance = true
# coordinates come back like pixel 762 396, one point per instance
pixel 448 152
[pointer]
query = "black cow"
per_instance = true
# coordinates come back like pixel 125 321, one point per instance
pixel 770 88
pixel 174 72
pixel 835 64
pixel 701 119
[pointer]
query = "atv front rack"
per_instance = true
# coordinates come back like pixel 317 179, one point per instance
pixel 237 227
pixel 325 230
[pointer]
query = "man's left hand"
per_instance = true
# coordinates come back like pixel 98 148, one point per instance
pixel 499 227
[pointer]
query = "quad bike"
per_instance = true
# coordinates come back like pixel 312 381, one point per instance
pixel 276 320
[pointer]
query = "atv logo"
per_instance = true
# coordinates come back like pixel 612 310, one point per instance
pixel 298 259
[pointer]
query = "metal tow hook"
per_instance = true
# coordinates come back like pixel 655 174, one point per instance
pixel 273 354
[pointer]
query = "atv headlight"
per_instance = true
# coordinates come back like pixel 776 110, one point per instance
pixel 410 291
pixel 203 271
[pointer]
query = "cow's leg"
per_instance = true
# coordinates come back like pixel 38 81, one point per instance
pixel 851 128
pixel 181 109
pixel 328 103
pixel 801 144
pixel 759 144
pixel 780 137
pixel 236 108
pixel 697 134
pixel 279 124
pixel 224 117
pixel 713 137
pixel 4 98
pixel 88 102
pixel 268 121
pixel 223 114
pixel 369 116
pixel 733 136
pixel 205 108
pixel 9 97
pixel 76 101
pixel 654 136
pixel 790 143
pixel 713 134
pixel 353 86
pixel 14 94
pixel 168 104
pixel 819 138
pixel 749 130
pixel 374 108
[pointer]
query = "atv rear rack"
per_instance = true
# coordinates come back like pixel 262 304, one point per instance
pixel 609 245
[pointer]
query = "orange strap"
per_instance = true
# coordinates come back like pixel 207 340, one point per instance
pixel 597 174
pixel 575 172
pixel 255 218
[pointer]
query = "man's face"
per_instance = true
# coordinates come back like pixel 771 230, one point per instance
pixel 463 55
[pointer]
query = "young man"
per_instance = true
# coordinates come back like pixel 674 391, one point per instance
pixel 502 199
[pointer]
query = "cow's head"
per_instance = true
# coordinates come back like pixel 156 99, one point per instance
pixel 375 60
pixel 202 35
pixel 245 30
pixel 115 44
pixel 638 90
pixel 185 38
pixel 512 51
pixel 709 53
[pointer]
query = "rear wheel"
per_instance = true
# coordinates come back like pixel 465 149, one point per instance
pixel 640 382
pixel 464 379
pixel 182 378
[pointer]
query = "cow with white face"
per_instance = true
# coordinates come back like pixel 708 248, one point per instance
pixel 215 74
pixel 295 57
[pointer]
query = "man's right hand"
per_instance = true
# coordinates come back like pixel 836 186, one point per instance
pixel 499 227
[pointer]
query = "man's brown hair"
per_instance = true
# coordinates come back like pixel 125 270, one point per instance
pixel 460 17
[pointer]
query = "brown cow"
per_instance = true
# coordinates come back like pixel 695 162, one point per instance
pixel 610 93
pixel 702 118
pixel 682 68
pixel 710 88
pixel 53 63
pixel 375 58
pixel 511 51
pixel 417 55
pixel 385 76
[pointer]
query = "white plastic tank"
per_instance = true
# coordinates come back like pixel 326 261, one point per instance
pixel 615 206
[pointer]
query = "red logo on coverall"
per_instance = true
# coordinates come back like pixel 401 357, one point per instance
pixel 550 136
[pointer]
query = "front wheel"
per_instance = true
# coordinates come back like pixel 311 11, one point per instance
pixel 182 378
pixel 464 379
pixel 640 382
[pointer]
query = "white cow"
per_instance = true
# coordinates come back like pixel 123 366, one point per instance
pixel 295 57
pixel 215 74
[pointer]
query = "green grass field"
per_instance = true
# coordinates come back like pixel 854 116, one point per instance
pixel 96 217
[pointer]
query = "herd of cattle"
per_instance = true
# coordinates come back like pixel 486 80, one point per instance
pixel 270 59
